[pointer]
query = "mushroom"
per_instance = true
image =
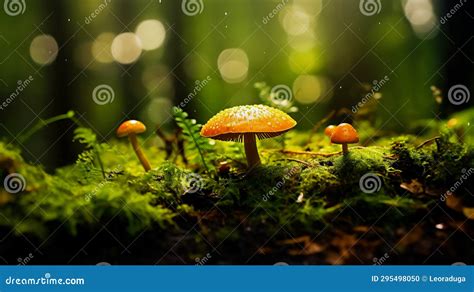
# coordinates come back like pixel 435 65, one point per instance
pixel 329 130
pixel 131 128
pixel 344 134
pixel 247 123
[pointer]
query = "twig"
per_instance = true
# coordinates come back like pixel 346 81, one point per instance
pixel 180 145
pixel 300 161
pixel 310 153
pixel 429 141
pixel 238 162
pixel 168 141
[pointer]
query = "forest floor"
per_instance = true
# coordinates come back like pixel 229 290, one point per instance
pixel 391 200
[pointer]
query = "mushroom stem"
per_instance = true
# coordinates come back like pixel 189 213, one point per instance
pixel 168 142
pixel 345 149
pixel 251 152
pixel 141 156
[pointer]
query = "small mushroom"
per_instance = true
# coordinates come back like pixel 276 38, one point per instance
pixel 131 128
pixel 247 123
pixel 344 134
pixel 329 130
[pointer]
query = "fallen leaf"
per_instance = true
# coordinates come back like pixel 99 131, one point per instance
pixel 309 249
pixel 469 213
pixel 301 239
pixel 414 187
pixel 453 202
pixel 361 229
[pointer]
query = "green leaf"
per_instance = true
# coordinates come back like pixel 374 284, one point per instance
pixel 191 132
pixel 88 138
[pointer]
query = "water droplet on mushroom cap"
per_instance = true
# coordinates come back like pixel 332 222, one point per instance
pixel 262 120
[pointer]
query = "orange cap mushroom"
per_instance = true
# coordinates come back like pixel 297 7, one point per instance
pixel 248 123
pixel 131 128
pixel 329 130
pixel 344 134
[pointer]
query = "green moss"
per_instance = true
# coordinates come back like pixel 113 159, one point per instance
pixel 304 192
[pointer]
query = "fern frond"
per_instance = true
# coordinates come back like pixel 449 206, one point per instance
pixel 191 132
pixel 88 138
pixel 85 136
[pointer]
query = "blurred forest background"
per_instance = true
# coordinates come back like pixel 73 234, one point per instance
pixel 153 54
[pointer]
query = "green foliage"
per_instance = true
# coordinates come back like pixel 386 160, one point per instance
pixel 196 143
pixel 85 136
pixel 304 192
pixel 71 201
pixel 358 162
pixel 43 123
pixel 91 156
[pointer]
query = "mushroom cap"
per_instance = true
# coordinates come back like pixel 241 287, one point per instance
pixel 231 124
pixel 329 130
pixel 344 134
pixel 130 127
pixel 452 123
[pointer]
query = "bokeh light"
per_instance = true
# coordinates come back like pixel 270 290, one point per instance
pixel 44 49
pixel 303 42
pixel 233 65
pixel 303 62
pixel 420 14
pixel 100 48
pixel 151 33
pixel 295 20
pixel 310 88
pixel 312 7
pixel 126 48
